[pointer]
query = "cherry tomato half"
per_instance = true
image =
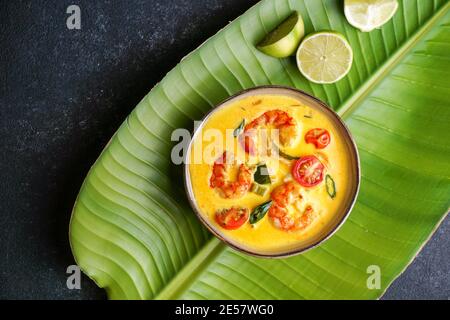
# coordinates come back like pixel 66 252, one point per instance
pixel 232 218
pixel 308 171
pixel 319 137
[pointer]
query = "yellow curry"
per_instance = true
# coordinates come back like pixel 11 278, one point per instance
pixel 269 172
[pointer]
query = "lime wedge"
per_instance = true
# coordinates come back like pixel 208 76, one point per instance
pixel 284 39
pixel 324 57
pixel 367 15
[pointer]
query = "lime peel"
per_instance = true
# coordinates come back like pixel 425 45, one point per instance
pixel 282 41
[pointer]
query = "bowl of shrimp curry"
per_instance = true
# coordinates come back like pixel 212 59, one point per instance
pixel 272 171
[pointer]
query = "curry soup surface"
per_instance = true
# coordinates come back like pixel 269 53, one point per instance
pixel 264 236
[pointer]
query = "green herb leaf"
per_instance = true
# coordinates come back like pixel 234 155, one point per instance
pixel 259 212
pixel 239 129
pixel 284 155
pixel 261 174
pixel 331 187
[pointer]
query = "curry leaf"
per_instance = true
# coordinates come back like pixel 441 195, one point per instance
pixel 286 156
pixel 261 174
pixel 239 129
pixel 260 212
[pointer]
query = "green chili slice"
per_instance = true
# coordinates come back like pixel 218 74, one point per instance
pixel 331 186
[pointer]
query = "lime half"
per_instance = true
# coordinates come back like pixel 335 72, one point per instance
pixel 324 57
pixel 284 39
pixel 367 15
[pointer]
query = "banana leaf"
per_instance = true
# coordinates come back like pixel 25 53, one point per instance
pixel 133 232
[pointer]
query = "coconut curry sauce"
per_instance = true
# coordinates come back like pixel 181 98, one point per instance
pixel 269 196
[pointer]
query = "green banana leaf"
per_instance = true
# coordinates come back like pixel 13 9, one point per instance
pixel 133 232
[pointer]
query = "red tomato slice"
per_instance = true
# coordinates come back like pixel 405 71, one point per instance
pixel 308 171
pixel 232 218
pixel 319 137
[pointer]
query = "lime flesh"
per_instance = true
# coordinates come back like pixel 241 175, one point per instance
pixel 284 39
pixel 367 15
pixel 324 57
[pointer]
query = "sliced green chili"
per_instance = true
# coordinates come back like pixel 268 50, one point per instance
pixel 331 186
pixel 259 189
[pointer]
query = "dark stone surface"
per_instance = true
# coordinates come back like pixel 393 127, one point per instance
pixel 63 94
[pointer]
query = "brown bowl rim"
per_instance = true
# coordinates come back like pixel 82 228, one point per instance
pixel 289 253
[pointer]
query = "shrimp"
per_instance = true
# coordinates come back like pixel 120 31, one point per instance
pixel 230 189
pixel 281 120
pixel 283 196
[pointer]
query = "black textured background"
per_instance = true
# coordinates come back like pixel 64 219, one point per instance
pixel 63 94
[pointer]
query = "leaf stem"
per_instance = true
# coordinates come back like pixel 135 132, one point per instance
pixel 191 270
